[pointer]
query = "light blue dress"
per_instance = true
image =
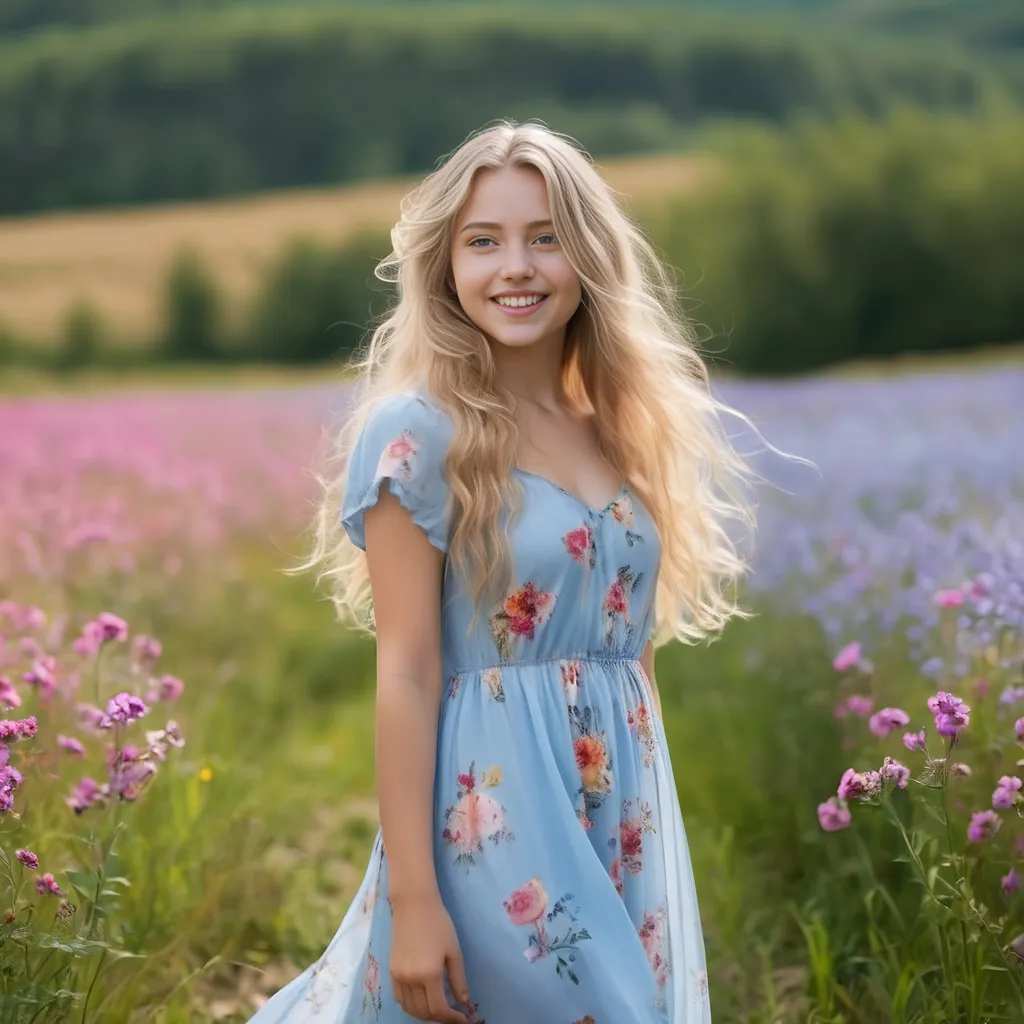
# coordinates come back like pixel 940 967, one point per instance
pixel 559 845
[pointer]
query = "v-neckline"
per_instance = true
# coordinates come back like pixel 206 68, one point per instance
pixel 575 497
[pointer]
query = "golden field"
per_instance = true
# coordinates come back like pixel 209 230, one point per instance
pixel 117 259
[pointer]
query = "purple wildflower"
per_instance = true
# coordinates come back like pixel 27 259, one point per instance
pixel 951 713
pixel 984 825
pixel 28 858
pixel 888 720
pixel 858 785
pixel 112 627
pixel 1005 793
pixel 47 885
pixel 87 792
pixel 914 740
pixel 10 780
pixel 13 729
pixel 125 707
pixel 895 772
pixel 9 696
pixel 72 744
pixel 1011 883
pixel 847 658
pixel 832 815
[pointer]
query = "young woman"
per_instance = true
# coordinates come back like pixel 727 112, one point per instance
pixel 535 489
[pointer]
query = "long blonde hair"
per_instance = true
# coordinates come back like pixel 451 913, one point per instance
pixel 630 356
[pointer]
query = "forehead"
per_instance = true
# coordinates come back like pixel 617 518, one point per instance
pixel 507 195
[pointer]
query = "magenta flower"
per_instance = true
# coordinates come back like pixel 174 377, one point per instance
pixel 13 729
pixel 1005 793
pixel 858 785
pixel 87 792
pixel 41 674
pixel 90 641
pixel 895 772
pixel 125 707
pixel 112 627
pixel 171 688
pixel 90 716
pixel 9 696
pixel 10 780
pixel 860 706
pixel 1018 728
pixel 72 744
pixel 887 721
pixel 952 598
pixel 847 658
pixel 833 816
pixel 1011 883
pixel 984 825
pixel 146 649
pixel 28 858
pixel 951 713
pixel 914 740
pixel 47 885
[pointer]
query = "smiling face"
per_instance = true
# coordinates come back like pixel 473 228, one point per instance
pixel 511 275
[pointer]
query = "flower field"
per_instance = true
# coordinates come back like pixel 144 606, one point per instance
pixel 186 736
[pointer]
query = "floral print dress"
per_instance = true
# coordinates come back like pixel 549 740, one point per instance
pixel 559 845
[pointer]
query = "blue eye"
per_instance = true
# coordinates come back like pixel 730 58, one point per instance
pixel 473 244
pixel 554 240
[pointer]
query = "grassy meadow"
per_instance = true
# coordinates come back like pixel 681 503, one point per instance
pixel 199 877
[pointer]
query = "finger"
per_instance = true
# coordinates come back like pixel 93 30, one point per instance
pixel 457 977
pixel 439 1010
pixel 419 1007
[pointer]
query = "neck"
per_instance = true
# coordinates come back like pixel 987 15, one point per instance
pixel 532 373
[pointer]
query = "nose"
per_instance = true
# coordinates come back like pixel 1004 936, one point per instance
pixel 517 265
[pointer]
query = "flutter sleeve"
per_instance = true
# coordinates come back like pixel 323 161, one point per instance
pixel 403 442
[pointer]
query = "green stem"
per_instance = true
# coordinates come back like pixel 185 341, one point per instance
pixel 96 977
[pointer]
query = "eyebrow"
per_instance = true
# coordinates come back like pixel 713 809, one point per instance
pixel 486 225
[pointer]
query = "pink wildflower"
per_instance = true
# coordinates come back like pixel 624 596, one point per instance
pixel 112 627
pixel 125 707
pixel 72 744
pixel 10 780
pixel 858 785
pixel 951 713
pixel 914 740
pixel 90 641
pixel 895 772
pixel 1011 883
pixel 1005 793
pixel 984 825
pixel 832 815
pixel 87 792
pixel 146 649
pixel 13 729
pixel 47 885
pixel 951 598
pixel 9 696
pixel 847 658
pixel 28 858
pixel 888 720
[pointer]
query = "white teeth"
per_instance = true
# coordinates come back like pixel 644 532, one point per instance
pixel 519 300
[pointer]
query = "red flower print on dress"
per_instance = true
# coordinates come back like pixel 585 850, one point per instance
pixel 527 905
pixel 615 874
pixel 585 1020
pixel 615 607
pixel 475 816
pixel 632 829
pixel 396 461
pixel 653 934
pixel 581 547
pixel 641 726
pixel 371 985
pixel 520 615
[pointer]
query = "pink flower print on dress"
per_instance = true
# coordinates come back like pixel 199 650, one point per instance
pixel 653 934
pixel 371 985
pixel 527 905
pixel 572 670
pixel 615 606
pixel 593 761
pixel 632 829
pixel 581 547
pixel 475 816
pixel 615 874
pixel 520 615
pixel 641 726
pixel 396 461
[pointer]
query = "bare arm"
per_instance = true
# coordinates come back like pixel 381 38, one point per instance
pixel 405 577
pixel 647 661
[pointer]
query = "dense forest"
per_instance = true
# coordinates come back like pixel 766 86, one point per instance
pixel 244 100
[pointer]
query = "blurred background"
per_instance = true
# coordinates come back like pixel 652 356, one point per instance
pixel 193 194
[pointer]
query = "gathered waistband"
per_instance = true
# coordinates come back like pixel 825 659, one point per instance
pixel 555 659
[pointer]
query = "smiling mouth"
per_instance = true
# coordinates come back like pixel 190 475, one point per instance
pixel 520 304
